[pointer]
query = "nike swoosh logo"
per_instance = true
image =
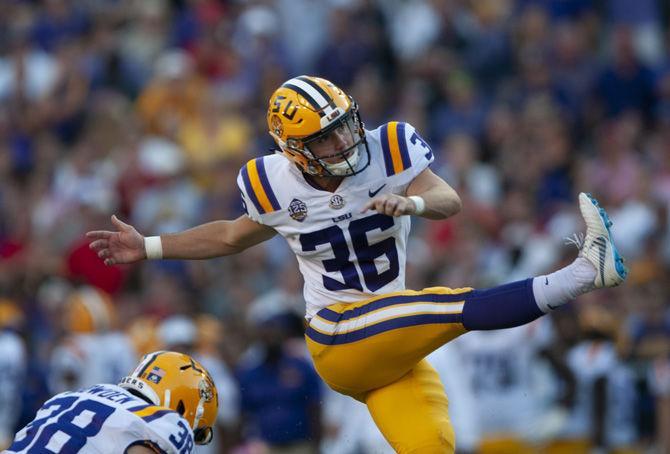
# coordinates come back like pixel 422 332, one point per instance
pixel 552 307
pixel 546 280
pixel 372 193
pixel 602 251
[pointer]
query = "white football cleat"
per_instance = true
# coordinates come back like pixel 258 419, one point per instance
pixel 598 245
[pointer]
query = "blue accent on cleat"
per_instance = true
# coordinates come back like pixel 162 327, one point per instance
pixel 618 259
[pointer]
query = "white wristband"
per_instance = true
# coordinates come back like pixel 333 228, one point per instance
pixel 419 204
pixel 153 247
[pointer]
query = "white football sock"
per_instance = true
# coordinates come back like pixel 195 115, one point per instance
pixel 554 290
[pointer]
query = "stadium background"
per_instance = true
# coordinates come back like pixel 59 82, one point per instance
pixel 148 108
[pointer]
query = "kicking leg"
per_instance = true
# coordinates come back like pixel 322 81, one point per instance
pixel 598 265
pixel 366 345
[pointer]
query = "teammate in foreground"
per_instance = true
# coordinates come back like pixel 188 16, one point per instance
pixel 168 403
pixel 341 196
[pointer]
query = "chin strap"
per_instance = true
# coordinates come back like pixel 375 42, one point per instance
pixel 345 167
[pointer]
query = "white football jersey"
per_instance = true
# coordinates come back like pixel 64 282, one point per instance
pixel 463 404
pixel 589 361
pixel 13 360
pixel 344 255
pixel 103 419
pixel 83 360
pixel 500 365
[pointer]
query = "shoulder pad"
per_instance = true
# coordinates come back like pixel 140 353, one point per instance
pixel 258 197
pixel 403 148
pixel 168 427
pixel 150 412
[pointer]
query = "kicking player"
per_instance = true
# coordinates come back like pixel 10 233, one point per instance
pixel 166 405
pixel 342 198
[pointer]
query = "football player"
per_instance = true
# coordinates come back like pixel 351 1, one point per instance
pixel 13 365
pixel 603 415
pixel 92 350
pixel 342 197
pixel 501 368
pixel 166 405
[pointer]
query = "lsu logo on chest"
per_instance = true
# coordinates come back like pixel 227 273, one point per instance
pixel 298 209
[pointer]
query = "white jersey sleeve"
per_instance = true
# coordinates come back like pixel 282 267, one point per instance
pixel 103 419
pixel 163 430
pixel 404 153
pixel 258 196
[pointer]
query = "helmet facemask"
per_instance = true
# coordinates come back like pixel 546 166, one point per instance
pixel 342 163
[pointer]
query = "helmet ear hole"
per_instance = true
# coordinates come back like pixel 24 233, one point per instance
pixel 181 409
pixel 203 435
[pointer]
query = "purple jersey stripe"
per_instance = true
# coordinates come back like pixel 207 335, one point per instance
pixel 260 165
pixel 138 408
pixel 388 160
pixel 402 143
pixel 157 415
pixel 250 190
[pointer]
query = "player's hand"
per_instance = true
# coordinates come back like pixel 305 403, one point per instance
pixel 391 205
pixel 125 245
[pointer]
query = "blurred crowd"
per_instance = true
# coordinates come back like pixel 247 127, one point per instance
pixel 148 108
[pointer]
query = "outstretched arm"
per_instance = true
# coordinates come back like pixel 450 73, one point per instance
pixel 214 239
pixel 440 200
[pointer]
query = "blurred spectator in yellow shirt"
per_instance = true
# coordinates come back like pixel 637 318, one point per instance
pixel 216 133
pixel 173 96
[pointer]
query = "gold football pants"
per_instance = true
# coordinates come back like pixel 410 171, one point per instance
pixel 374 351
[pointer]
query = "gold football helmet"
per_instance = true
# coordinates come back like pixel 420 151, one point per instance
pixel 598 321
pixel 88 310
pixel 307 112
pixel 11 315
pixel 179 382
pixel 143 334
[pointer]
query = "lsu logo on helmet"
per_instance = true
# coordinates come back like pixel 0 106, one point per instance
pixel 303 112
